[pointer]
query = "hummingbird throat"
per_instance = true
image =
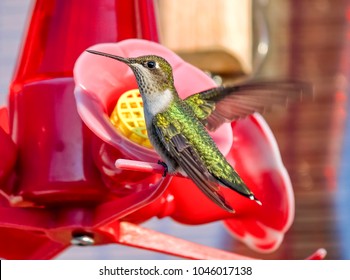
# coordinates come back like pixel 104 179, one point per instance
pixel 156 102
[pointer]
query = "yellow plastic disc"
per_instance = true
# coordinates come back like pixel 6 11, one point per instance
pixel 128 118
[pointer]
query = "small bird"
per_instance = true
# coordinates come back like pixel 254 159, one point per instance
pixel 177 128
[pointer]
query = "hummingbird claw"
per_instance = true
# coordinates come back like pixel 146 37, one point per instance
pixel 162 163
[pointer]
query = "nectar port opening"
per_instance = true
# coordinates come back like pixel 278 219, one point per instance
pixel 128 118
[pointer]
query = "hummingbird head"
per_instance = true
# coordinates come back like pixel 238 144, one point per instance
pixel 153 73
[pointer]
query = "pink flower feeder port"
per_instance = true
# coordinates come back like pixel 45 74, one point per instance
pixel 248 145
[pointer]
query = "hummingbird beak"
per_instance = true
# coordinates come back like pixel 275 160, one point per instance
pixel 119 58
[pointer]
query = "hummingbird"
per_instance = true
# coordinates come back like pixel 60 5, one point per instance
pixel 178 129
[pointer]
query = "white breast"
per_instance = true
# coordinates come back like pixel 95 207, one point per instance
pixel 155 103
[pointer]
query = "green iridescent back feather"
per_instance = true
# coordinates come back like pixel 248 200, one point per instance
pixel 176 120
pixel 201 108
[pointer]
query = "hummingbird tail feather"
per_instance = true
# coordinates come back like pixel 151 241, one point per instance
pixel 253 197
pixel 241 188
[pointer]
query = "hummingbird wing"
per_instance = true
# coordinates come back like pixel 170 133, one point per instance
pixel 217 105
pixel 188 159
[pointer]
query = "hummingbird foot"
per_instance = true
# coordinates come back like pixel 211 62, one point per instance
pixel 252 197
pixel 162 163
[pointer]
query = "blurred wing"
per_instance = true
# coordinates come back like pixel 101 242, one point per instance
pixel 215 106
pixel 188 159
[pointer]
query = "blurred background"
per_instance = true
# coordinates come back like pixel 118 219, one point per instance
pixel 306 40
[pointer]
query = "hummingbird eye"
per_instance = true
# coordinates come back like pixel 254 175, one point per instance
pixel 151 64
